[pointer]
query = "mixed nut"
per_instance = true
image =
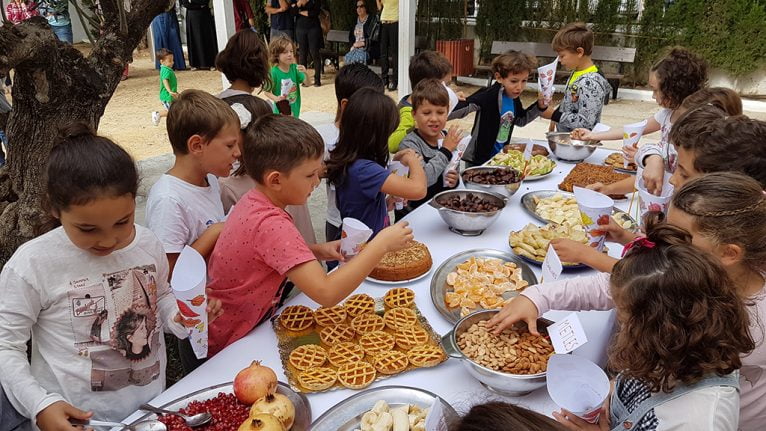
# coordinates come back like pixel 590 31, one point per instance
pixel 514 351
pixel 470 203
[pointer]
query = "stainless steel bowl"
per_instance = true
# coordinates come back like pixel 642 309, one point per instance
pixel 468 223
pixel 503 189
pixel 571 150
pixel 504 383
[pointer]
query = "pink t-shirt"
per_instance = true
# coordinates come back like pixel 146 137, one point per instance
pixel 258 245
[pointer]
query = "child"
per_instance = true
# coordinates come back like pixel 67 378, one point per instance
pixel 350 78
pixel 259 246
pixel 168 84
pixel 358 164
pixel 497 415
pixel 586 88
pixel 425 65
pixel 719 211
pixel 245 63
pixel 93 294
pixel 430 103
pixel 285 75
pixel 676 76
pixel 500 107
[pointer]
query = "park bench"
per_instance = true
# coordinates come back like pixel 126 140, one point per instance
pixel 336 47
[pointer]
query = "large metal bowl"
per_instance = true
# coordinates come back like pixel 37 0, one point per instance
pixel 468 223
pixel 571 150
pixel 503 383
pixel 503 189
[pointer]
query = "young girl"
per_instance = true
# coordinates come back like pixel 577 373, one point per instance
pixel 358 164
pixel 92 294
pixel 679 74
pixel 245 63
pixel 286 76
pixel 504 416
pixel 723 212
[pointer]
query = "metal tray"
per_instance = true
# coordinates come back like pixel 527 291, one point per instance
pixel 528 203
pixel 301 403
pixel 439 280
pixel 563 265
pixel 347 415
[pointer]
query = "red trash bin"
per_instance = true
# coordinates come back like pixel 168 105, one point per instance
pixel 460 53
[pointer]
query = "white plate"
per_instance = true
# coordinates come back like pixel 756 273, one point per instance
pixel 394 283
pixel 538 177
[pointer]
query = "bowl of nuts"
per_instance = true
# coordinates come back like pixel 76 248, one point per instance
pixel 503 180
pixel 468 212
pixel 513 363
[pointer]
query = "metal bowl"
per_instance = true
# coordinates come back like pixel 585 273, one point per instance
pixel 571 150
pixel 502 189
pixel 468 223
pixel 503 383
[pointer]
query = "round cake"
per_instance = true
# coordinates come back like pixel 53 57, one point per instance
pixel 405 264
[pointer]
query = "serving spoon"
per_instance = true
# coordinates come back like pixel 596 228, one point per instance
pixel 149 425
pixel 193 421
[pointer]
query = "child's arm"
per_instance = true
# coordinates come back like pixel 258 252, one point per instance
pixel 590 102
pixel 526 116
pixel 412 188
pixel 301 73
pixel 204 244
pixel 435 167
pixel 613 134
pixel 406 124
pixel 622 187
pixel 575 252
pixel 166 83
pixel 329 289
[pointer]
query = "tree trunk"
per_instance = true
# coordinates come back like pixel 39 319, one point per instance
pixel 55 85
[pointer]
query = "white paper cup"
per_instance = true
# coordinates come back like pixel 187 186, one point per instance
pixel 578 385
pixel 188 283
pixel 631 134
pixel 594 207
pixel 649 202
pixel 545 77
pixel 354 235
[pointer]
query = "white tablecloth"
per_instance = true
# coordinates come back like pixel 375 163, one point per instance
pixel 449 380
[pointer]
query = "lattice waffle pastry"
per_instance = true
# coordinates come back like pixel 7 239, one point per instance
pixel 392 362
pixel 399 297
pixel 366 323
pixel 326 316
pixel 356 375
pixel 400 318
pixel 413 336
pixel 335 334
pixel 425 356
pixel 376 342
pixel 344 353
pixel 359 304
pixel 296 318
pixel 308 356
pixel 318 379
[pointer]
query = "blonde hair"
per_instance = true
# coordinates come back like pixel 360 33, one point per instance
pixel 278 46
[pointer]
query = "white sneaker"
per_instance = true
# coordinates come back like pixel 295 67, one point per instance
pixel 156 118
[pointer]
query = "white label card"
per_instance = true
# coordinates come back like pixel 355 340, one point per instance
pixel 567 334
pixel 552 266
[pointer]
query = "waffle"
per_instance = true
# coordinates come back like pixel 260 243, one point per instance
pixel 400 318
pixel 308 356
pixel 399 297
pixel 326 316
pixel 335 334
pixel 616 160
pixel 359 304
pixel 413 336
pixel 405 264
pixel 365 323
pixel 356 375
pixel 345 352
pixel 296 318
pixel 425 356
pixel 376 342
pixel 392 362
pixel 318 379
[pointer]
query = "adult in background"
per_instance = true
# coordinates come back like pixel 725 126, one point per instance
pixel 167 34
pixel 360 37
pixel 19 10
pixel 389 40
pixel 200 34
pixel 243 15
pixel 57 14
pixel 281 18
pixel 308 30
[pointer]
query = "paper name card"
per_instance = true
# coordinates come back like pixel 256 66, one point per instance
pixel 552 266
pixel 567 334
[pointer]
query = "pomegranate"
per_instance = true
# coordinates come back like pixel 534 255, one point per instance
pixel 262 422
pixel 278 405
pixel 254 383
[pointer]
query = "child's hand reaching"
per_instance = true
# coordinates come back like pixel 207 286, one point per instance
pixel 214 309
pixel 301 68
pixel 574 423
pixel 460 96
pixel 56 416
pixel 395 237
pixel 454 135
pixel 542 101
pixel 571 251
pixel 328 251
pixel 654 174
pixel 582 134
pixel 520 309
pixel 407 157
pixel 451 177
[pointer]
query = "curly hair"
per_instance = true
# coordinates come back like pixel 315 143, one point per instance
pixel 278 46
pixel 680 73
pixel 513 62
pixel 245 57
pixel 680 315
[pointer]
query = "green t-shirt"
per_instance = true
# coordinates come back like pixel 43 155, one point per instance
pixel 288 83
pixel 167 73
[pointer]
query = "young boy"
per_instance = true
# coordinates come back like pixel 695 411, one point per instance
pixel 260 247
pixel 349 79
pixel 499 107
pixel 586 87
pixel 430 106
pixel 425 65
pixel 168 84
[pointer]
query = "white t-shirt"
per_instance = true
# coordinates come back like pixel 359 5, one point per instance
pixel 330 134
pixel 179 212
pixel 663 148
pixel 96 322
